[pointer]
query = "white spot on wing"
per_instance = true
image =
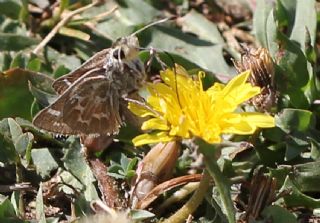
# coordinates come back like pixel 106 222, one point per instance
pixel 54 112
pixel 56 124
pixel 67 82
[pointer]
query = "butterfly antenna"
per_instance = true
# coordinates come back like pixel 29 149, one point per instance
pixel 152 24
pixel 175 76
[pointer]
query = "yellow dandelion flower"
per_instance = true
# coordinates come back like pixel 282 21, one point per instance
pixel 180 107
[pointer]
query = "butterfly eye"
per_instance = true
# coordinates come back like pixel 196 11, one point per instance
pixel 118 53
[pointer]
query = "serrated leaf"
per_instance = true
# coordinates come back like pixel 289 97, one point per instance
pixel 44 161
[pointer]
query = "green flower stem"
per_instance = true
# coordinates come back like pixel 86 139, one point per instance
pixel 183 213
pixel 224 190
pixel 221 182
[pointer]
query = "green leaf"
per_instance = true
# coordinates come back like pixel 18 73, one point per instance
pixel 134 12
pixel 132 164
pixel 10 8
pixel 199 25
pixel 24 143
pixel 315 149
pixel 296 143
pixel 18 61
pixel 16 99
pixel 124 161
pixel 15 130
pixel 40 215
pixel 7 211
pixel 285 13
pixel 34 64
pixel 295 73
pixel 15 42
pixel 305 20
pixel 278 214
pixel 307 176
pixel 44 161
pixel 8 153
pixel 9 133
pixel 198 52
pixel 5 60
pixel 69 180
pixel 15 201
pixel 295 120
pixel 261 15
pixel 296 198
pixel 116 175
pixel 271 34
pixel 75 163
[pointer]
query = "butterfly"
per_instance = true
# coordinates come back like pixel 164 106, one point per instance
pixel 91 98
pixel 261 65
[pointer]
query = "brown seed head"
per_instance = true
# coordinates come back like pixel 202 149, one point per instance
pixel 261 65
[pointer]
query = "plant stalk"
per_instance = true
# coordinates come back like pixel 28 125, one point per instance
pixel 192 204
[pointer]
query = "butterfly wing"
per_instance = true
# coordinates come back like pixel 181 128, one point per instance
pixel 93 107
pixel 90 106
pixel 96 61
pixel 50 118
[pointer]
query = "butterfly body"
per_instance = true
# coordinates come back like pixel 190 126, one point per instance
pixel 91 97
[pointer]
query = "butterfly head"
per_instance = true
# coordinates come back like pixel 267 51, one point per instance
pixel 126 48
